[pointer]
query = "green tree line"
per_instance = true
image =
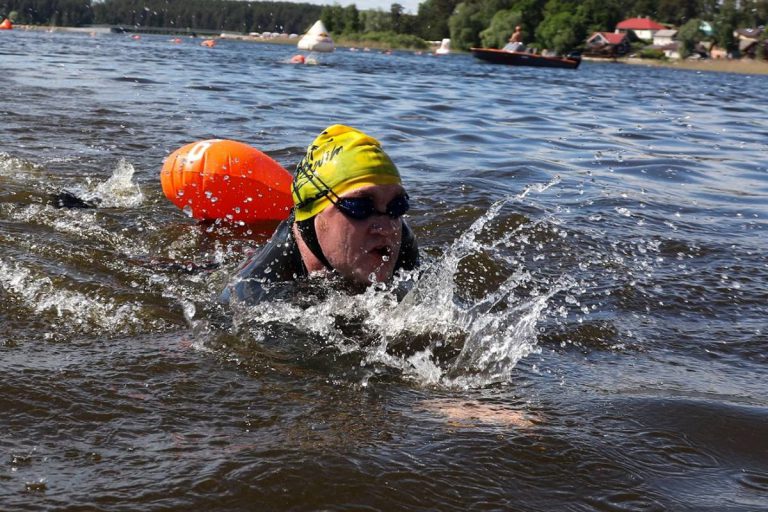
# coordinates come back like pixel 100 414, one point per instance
pixel 565 24
pixel 48 12
pixel 555 24
pixel 229 15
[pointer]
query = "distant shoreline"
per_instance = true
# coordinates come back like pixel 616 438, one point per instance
pixel 741 66
pixel 227 36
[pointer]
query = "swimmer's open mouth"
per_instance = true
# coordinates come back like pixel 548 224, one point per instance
pixel 382 251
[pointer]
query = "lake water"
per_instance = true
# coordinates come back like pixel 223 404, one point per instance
pixel 589 330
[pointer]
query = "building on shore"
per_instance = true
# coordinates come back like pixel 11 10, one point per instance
pixel 643 28
pixel 607 45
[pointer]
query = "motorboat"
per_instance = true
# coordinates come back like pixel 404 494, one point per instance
pixel 517 58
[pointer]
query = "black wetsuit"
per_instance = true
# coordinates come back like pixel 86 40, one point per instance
pixel 280 261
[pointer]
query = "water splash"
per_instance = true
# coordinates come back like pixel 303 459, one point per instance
pixel 17 168
pixel 68 311
pixel 431 336
pixel 119 191
pixel 494 332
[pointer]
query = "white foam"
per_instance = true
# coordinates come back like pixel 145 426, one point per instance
pixel 71 310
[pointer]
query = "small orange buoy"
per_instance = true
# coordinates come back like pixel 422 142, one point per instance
pixel 6 24
pixel 210 43
pixel 297 59
pixel 226 179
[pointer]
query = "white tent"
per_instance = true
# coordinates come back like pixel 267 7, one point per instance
pixel 316 39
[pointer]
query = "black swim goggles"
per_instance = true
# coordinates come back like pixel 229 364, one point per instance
pixel 361 208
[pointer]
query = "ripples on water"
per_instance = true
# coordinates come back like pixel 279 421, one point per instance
pixel 588 331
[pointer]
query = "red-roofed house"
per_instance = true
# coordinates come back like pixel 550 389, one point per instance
pixel 607 44
pixel 644 28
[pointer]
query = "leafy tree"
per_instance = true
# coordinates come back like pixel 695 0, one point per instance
pixel 433 18
pixel 725 23
pixel 643 8
pixel 601 15
pixel 677 11
pixel 753 13
pixel 351 18
pixel 332 17
pixel 396 14
pixel 409 24
pixel 762 47
pixel 561 32
pixel 473 16
pixel 688 35
pixel 375 21
pixel 466 24
pixel 502 25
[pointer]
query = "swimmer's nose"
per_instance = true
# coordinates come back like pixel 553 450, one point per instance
pixel 384 224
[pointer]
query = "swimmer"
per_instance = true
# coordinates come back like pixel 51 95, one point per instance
pixel 347 220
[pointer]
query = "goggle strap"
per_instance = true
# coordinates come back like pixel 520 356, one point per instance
pixel 313 178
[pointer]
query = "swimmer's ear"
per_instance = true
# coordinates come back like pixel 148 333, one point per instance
pixel 408 259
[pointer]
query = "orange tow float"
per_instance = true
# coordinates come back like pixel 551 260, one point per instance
pixel 226 179
pixel 6 24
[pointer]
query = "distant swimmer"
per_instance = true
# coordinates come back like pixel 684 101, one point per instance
pixel 347 220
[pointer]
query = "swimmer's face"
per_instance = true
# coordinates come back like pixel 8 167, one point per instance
pixel 362 250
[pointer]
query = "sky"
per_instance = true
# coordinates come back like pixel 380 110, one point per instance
pixel 411 6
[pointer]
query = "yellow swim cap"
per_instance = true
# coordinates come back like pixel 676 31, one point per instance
pixel 339 160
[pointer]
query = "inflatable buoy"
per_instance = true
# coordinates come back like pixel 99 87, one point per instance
pixel 6 24
pixel 297 59
pixel 226 179
pixel 445 47
pixel 316 39
pixel 210 43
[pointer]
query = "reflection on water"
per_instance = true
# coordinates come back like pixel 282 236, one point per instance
pixel 587 331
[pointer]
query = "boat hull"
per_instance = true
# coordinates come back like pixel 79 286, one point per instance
pixel 524 59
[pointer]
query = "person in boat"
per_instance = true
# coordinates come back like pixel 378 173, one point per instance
pixel 515 43
pixel 346 224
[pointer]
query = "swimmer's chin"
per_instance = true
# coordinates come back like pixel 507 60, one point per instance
pixel 373 270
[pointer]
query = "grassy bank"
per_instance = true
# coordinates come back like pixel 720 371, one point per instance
pixel 743 66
